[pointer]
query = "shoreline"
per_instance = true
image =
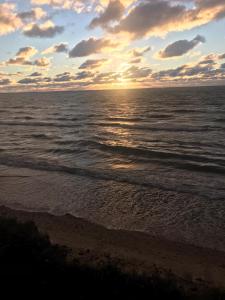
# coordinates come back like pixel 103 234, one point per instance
pixel 168 215
pixel 134 251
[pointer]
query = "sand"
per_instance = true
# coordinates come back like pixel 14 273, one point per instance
pixel 92 243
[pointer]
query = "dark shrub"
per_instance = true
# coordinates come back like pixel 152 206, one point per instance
pixel 31 266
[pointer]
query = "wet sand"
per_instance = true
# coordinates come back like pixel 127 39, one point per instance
pixel 92 243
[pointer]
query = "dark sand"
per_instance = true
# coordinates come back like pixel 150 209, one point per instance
pixel 137 251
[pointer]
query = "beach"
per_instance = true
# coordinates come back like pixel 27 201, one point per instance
pixel 132 251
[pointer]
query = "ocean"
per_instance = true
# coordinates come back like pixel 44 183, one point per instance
pixel 150 160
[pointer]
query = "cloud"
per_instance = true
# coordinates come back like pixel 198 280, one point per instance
pixel 136 60
pixel 113 12
pixel 9 21
pixel 35 74
pixel 41 62
pixel 138 52
pixel 28 80
pixel 59 48
pixel 5 81
pixel 149 17
pixel 208 5
pixel 18 61
pixel 209 59
pixel 32 15
pixel 92 63
pixel 90 46
pixel 106 78
pixel 26 52
pixel 4 74
pixel 135 72
pixel 64 77
pixel 46 30
pixel 83 75
pixel 222 56
pixel 76 5
pixel 23 56
pixel 206 69
pixel 79 5
pixel 159 17
pixel 181 47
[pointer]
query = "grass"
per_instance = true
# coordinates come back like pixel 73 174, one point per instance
pixel 30 265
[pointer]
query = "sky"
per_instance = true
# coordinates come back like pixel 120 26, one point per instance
pixel 109 44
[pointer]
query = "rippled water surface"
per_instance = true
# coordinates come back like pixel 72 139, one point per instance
pixel 169 139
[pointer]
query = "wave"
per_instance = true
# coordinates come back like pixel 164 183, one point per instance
pixel 66 142
pixel 147 127
pixel 64 151
pixel 160 128
pixel 124 119
pixel 98 174
pixel 41 136
pixel 37 124
pixel 138 152
pixel 23 118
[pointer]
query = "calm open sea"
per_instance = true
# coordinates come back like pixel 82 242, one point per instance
pixel 151 160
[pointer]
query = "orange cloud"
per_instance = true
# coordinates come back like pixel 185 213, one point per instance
pixel 9 20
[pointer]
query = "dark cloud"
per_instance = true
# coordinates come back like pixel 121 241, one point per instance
pixel 181 47
pixel 206 69
pixel 27 15
pixel 61 48
pixel 140 52
pixel 135 72
pixel 23 58
pixel 32 15
pixel 147 16
pixel 92 63
pixel 41 62
pixel 64 77
pixel 58 48
pixel 222 56
pixel 105 78
pixel 83 75
pixel 222 66
pixel 48 31
pixel 168 73
pixel 5 81
pixel 28 80
pixel 90 46
pixel 26 52
pixel 35 74
pixel 18 61
pixel 210 4
pixel 157 17
pixel 113 12
pixel 136 60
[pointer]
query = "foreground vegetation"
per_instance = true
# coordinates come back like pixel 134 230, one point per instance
pixel 30 265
